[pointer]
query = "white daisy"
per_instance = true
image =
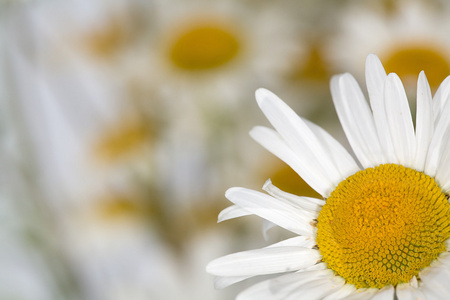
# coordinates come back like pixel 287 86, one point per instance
pixel 208 51
pixel 409 36
pixel 381 229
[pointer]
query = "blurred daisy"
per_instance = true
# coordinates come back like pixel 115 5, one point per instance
pixel 381 230
pixel 101 131
pixel 155 72
pixel 205 58
pixel 408 36
pixel 126 260
pixel 219 50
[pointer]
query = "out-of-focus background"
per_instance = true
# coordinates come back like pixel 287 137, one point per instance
pixel 123 122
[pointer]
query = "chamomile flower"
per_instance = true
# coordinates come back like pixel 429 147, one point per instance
pixel 408 36
pixel 381 230
pixel 208 51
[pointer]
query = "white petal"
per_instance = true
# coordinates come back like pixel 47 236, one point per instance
pixel 443 172
pixel 440 99
pixel 444 259
pixel 362 294
pixel 316 267
pixel 375 80
pixel 405 291
pixel 273 142
pixel 400 120
pixel 317 289
pixel 297 134
pixel 280 287
pixel 298 241
pixel 342 293
pixel 223 282
pixel 313 205
pixel 263 261
pixel 424 121
pixel 435 279
pixel 231 212
pixel 343 161
pixel 274 210
pixel 438 142
pixel 430 294
pixel 386 293
pixel 266 226
pixel 357 120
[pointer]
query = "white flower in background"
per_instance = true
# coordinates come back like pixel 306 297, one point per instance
pixel 408 36
pixel 89 120
pixel 125 260
pixel 204 59
pixel 176 68
pixel 100 158
pixel 381 230
pixel 216 52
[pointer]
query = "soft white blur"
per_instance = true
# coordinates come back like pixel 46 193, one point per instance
pixel 121 127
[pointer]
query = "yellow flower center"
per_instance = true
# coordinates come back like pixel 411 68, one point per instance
pixel 123 140
pixel 383 225
pixel 203 47
pixel 408 61
pixel 108 39
pixel 117 207
pixel 314 66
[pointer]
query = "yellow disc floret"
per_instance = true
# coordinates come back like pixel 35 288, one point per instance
pixel 383 225
pixel 204 47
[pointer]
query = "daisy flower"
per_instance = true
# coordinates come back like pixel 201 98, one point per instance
pixel 208 50
pixel 381 229
pixel 409 36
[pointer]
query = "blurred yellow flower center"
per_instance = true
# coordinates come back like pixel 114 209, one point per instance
pixel 117 207
pixel 314 67
pixel 107 40
pixel 123 140
pixel 408 62
pixel 203 47
pixel 383 225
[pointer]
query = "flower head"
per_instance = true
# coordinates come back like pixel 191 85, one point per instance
pixel 404 36
pixel 381 230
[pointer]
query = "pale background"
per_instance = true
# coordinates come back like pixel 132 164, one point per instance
pixel 122 124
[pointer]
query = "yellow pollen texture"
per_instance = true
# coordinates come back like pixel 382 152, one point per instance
pixel 204 47
pixel 383 225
